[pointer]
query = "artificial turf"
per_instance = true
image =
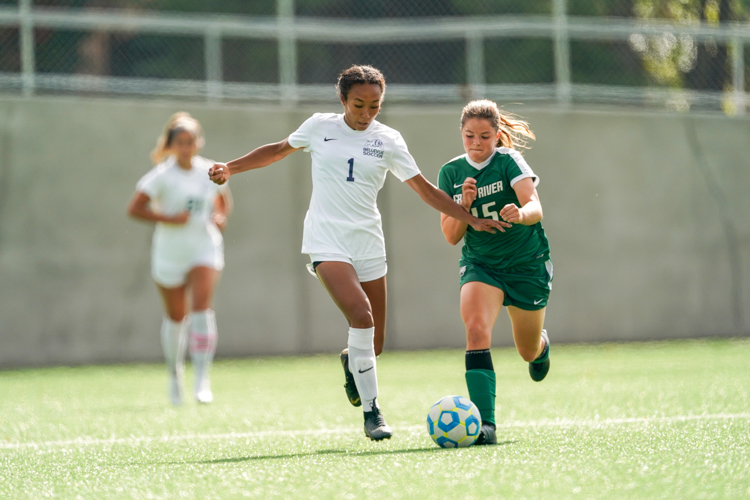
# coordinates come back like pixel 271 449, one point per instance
pixel 642 420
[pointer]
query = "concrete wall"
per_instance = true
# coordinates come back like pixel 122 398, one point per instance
pixel 647 216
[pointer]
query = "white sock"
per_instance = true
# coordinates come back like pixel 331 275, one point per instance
pixel 362 365
pixel 203 337
pixel 173 342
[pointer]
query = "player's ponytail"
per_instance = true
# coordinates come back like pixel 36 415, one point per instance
pixel 514 132
pixel 178 122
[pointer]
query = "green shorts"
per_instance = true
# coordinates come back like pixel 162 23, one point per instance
pixel 525 287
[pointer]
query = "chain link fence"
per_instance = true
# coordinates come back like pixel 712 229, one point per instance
pixel 664 54
pixel 436 63
pixel 10 60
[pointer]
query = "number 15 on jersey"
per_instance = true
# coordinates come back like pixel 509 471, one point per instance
pixel 486 212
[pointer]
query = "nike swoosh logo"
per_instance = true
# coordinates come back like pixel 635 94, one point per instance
pixel 456 186
pixel 536 302
pixel 363 371
pixel 326 139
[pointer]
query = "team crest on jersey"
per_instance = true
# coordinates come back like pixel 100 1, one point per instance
pixel 373 147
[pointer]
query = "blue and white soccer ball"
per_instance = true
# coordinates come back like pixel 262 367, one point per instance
pixel 454 422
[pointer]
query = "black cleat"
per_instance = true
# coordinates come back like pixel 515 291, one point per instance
pixel 375 426
pixel 539 367
pixel 486 435
pixel 350 386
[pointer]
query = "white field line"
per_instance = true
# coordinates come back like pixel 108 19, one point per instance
pixel 591 423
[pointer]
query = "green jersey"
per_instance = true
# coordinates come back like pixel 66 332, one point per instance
pixel 495 177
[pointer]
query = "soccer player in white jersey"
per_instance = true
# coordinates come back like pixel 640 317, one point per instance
pixel 351 154
pixel 187 252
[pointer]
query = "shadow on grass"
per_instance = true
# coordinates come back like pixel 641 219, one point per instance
pixel 431 449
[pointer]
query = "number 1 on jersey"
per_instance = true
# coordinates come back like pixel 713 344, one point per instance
pixel 351 170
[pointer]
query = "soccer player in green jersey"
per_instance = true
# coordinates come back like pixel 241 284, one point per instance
pixel 510 268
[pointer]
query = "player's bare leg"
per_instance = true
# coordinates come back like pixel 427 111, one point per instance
pixel 480 306
pixel 174 337
pixel 342 284
pixel 203 331
pixel 377 294
pixel 333 273
pixel 531 340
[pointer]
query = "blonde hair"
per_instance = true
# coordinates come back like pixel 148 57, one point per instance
pixel 178 122
pixel 515 132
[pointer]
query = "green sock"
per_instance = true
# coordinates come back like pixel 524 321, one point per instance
pixel 481 385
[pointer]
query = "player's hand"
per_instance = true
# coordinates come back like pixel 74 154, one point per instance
pixel 468 192
pixel 219 173
pixel 489 225
pixel 220 220
pixel 180 218
pixel 511 213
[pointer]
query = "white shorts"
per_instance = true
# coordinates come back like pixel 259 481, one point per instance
pixel 174 255
pixel 366 269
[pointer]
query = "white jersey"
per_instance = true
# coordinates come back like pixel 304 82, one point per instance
pixel 174 190
pixel 348 170
pixel 178 248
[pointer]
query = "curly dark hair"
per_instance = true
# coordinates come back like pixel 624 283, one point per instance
pixel 356 75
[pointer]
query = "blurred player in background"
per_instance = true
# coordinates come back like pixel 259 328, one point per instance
pixel 187 253
pixel 343 235
pixel 512 268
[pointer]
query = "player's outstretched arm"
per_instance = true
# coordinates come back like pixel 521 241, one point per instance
pixel 257 158
pixel 440 201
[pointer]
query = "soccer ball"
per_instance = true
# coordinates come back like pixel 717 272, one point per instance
pixel 454 422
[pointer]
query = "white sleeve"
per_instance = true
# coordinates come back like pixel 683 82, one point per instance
pixel 150 184
pixel 402 163
pixel 524 170
pixel 302 137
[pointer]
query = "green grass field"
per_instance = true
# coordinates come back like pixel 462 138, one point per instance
pixel 656 420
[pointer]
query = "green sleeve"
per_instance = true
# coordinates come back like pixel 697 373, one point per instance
pixel 511 170
pixel 445 182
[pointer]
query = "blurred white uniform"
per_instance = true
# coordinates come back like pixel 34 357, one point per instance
pixel 176 249
pixel 348 169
